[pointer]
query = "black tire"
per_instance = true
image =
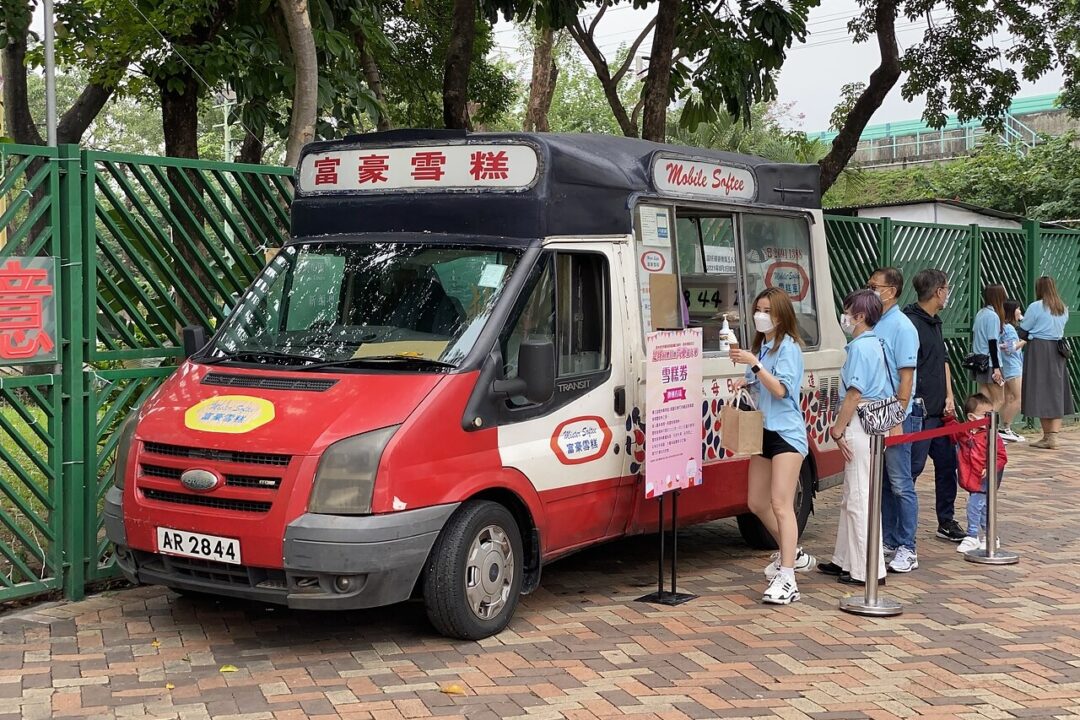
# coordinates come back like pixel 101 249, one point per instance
pixel 447 575
pixel 754 533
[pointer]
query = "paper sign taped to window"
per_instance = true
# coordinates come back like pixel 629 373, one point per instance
pixel 492 275
pixel 655 225
pixel 719 260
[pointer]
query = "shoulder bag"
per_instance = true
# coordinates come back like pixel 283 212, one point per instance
pixel 880 416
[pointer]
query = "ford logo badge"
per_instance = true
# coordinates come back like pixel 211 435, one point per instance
pixel 199 480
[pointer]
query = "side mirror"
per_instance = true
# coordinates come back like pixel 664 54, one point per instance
pixel 194 339
pixel 535 379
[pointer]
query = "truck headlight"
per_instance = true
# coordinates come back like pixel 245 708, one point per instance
pixel 126 440
pixel 345 480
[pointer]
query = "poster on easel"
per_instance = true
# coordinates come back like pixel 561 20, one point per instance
pixel 673 393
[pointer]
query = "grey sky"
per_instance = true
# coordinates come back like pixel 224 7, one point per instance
pixel 814 72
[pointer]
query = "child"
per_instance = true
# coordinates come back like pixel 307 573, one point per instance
pixel 1012 370
pixel 971 454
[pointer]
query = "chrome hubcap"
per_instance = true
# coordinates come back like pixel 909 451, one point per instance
pixel 489 572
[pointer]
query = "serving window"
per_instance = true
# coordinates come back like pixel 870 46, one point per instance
pixel 708 275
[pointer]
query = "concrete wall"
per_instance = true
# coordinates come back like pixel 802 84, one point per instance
pixel 939 213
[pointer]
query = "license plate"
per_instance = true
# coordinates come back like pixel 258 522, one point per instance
pixel 196 545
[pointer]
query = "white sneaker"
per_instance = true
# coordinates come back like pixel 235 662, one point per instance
pixel 1008 435
pixel 890 553
pixel 781 591
pixel 804 562
pixel 970 543
pixel 982 543
pixel 904 561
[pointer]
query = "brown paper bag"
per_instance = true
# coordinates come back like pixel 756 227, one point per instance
pixel 740 430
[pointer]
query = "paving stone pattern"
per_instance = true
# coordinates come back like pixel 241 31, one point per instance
pixel 974 641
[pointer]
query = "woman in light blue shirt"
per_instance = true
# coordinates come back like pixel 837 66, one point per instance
pixel 1047 394
pixel 1012 370
pixel 989 323
pixel 774 371
pixel 863 379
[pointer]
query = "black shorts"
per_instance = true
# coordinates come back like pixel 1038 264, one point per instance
pixel 772 445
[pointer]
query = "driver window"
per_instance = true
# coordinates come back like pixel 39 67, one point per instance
pixel 707 275
pixel 568 305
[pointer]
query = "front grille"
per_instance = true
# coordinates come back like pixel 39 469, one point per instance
pixel 246 481
pixel 268 383
pixel 218 503
pixel 246 458
pixel 216 572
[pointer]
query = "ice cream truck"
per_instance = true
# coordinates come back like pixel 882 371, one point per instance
pixel 436 387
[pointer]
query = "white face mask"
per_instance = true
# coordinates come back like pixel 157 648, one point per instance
pixel 763 323
pixel 847 324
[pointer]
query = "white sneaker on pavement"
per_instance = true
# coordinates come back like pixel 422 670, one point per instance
pixel 804 562
pixel 969 543
pixel 781 591
pixel 890 553
pixel 904 561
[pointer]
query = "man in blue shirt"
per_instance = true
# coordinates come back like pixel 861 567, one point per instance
pixel 899 503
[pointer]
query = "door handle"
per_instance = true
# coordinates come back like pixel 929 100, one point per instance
pixel 620 400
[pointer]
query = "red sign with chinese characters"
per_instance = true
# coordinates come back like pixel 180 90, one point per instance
pixel 27 310
pixel 442 167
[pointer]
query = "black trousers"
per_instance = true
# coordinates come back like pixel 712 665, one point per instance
pixel 943 452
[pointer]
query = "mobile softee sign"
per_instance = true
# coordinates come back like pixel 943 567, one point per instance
pixel 673 400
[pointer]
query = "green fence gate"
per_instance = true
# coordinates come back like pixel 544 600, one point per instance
pixel 145 246
pixel 973 257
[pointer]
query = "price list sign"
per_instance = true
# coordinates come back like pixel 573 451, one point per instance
pixel 673 411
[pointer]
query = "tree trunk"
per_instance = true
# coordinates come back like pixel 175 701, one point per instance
pixel 306 67
pixel 882 81
pixel 252 148
pixel 545 74
pixel 17 118
pixel 459 57
pixel 657 92
pixel 373 78
pixel 180 122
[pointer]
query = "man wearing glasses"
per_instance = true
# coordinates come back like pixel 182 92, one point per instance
pixel 934 388
pixel 899 503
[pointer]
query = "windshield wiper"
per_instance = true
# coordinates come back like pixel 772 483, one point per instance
pixel 260 354
pixel 382 359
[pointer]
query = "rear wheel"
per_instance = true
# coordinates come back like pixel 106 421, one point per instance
pixel 754 533
pixel 472 581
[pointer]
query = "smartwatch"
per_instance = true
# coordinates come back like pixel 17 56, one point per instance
pixel 755 369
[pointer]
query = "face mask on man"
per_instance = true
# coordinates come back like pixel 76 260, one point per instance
pixel 763 323
pixel 847 324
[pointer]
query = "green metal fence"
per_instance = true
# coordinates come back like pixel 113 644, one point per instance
pixel 972 256
pixel 145 246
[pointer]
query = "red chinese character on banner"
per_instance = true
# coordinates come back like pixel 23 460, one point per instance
pixel 373 168
pixel 326 171
pixel 22 291
pixel 428 166
pixel 489 165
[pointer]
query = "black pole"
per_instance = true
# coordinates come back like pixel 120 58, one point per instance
pixel 660 560
pixel 674 538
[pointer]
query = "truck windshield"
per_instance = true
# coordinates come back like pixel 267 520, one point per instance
pixel 340 304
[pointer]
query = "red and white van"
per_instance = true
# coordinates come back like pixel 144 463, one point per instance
pixel 436 386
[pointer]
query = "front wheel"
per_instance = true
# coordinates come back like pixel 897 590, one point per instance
pixel 473 576
pixel 754 533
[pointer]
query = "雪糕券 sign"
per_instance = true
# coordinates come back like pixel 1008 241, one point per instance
pixel 673 410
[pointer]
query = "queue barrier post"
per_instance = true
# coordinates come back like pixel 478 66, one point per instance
pixel 991 554
pixel 871 603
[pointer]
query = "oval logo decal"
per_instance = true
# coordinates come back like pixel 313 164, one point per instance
pixel 653 261
pixel 234 414
pixel 199 480
pixel 581 440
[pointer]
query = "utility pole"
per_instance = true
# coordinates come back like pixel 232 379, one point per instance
pixel 50 75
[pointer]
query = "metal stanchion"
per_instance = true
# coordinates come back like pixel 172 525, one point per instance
pixel 871 603
pixel 991 555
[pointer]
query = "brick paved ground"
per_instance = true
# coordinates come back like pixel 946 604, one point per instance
pixel 974 641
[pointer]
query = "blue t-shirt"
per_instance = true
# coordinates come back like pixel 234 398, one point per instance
pixel 901 341
pixel 782 415
pixel 1041 325
pixel 1012 360
pixel 864 368
pixel 987 328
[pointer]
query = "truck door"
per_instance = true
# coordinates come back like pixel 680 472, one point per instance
pixel 569 447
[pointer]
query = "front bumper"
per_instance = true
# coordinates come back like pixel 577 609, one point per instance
pixel 331 562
